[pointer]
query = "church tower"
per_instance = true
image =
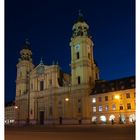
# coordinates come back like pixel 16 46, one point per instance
pixel 24 68
pixel 83 67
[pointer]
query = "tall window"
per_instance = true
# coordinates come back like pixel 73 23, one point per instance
pixel 94 109
pixel 106 108
pixel 100 108
pixel 128 106
pixel 127 95
pixel 41 85
pixel 93 100
pixel 77 55
pixel 88 55
pixel 50 111
pixel 50 82
pixel 100 99
pixel 106 98
pixel 79 80
pixel 79 109
pixel 113 107
pixel 121 107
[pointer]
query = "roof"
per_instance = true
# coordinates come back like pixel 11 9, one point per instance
pixel 113 85
pixel 11 103
pixel 80 17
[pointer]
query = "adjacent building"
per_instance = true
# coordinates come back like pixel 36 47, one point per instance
pixel 114 101
pixel 10 113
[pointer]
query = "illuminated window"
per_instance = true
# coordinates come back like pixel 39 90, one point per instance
pixel 94 100
pixel 100 99
pixel 129 106
pixel 113 107
pixel 94 109
pixel 106 98
pixel 112 117
pixel 106 107
pixel 100 108
pixel 77 55
pixel 103 118
pixel 127 95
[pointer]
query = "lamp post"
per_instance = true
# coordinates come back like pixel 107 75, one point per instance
pixel 17 112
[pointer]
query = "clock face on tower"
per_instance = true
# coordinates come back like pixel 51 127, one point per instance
pixel 77 47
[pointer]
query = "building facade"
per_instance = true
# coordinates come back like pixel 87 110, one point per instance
pixel 10 113
pixel 114 101
pixel 47 95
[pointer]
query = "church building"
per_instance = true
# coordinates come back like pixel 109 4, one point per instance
pixel 45 94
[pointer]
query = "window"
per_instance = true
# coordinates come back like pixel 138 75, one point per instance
pixel 79 100
pixel 106 98
pixel 100 108
pixel 121 107
pixel 128 106
pixel 127 95
pixel 77 55
pixel 112 97
pixel 96 75
pixel 88 55
pixel 94 109
pixel 50 111
pixel 90 80
pixel 114 107
pixel 100 99
pixel 106 107
pixel 134 94
pixel 41 85
pixel 94 100
pixel 59 102
pixel 79 110
pixel 50 82
pixel 79 80
pixel 31 86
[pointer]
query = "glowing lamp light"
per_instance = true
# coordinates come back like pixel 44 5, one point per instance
pixel 66 99
pixel 16 107
pixel 117 97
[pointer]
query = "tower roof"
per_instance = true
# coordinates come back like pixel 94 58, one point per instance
pixel 26 44
pixel 80 17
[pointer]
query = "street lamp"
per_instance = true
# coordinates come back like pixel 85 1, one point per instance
pixel 117 97
pixel 17 110
pixel 66 99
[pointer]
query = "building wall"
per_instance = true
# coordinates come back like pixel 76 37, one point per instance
pixel 10 115
pixel 125 113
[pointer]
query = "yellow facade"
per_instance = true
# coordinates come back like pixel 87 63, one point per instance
pixel 119 105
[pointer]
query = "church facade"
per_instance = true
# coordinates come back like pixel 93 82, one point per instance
pixel 45 94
